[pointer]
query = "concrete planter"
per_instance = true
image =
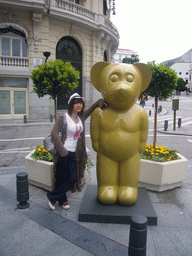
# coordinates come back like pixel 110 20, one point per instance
pixel 40 173
pixel 161 176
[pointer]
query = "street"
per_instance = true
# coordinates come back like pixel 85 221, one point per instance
pixel 17 141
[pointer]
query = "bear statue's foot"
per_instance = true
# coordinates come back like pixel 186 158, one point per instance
pixel 127 195
pixel 107 194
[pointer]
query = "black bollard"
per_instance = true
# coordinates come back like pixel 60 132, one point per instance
pixel 149 112
pixel 22 190
pixel 166 125
pixel 51 118
pixel 25 119
pixel 138 236
pixel 179 122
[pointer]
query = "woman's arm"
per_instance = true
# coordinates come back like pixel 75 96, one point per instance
pixel 99 103
pixel 55 136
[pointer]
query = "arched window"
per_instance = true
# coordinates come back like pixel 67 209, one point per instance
pixel 13 42
pixel 68 50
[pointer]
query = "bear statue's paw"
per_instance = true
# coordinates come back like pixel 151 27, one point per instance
pixel 107 194
pixel 127 195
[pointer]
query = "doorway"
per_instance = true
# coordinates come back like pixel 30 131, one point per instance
pixel 68 50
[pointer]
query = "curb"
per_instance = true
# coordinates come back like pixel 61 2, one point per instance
pixel 174 133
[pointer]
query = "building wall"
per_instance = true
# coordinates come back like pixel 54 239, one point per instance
pixel 182 70
pixel 45 28
pixel 121 54
pixel 190 78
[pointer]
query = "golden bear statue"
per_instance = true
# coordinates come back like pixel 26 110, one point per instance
pixel 119 132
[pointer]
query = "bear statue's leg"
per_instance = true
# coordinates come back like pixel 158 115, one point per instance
pixel 128 180
pixel 107 178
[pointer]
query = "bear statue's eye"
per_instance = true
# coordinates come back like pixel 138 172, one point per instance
pixel 130 78
pixel 114 78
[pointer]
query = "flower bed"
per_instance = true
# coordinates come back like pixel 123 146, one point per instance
pixel 159 154
pixel 40 172
pixel 162 169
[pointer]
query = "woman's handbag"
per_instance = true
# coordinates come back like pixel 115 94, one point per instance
pixel 48 143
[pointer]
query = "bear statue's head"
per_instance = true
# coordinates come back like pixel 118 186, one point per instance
pixel 120 84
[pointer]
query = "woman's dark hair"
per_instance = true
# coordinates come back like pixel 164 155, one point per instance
pixel 71 105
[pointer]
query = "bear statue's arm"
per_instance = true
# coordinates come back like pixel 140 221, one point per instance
pixel 143 132
pixel 95 129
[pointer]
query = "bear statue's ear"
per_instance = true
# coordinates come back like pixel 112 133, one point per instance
pixel 95 73
pixel 146 74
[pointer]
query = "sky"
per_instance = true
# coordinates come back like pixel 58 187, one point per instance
pixel 158 30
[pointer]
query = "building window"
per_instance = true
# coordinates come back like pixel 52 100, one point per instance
pixel 119 56
pixel 105 56
pixel 13 43
pixel 187 73
pixel 180 73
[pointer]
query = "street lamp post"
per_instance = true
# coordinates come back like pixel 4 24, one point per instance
pixel 46 54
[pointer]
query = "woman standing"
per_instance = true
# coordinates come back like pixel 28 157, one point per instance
pixel 66 166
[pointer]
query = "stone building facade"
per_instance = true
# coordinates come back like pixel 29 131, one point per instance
pixel 123 53
pixel 78 31
pixel 182 65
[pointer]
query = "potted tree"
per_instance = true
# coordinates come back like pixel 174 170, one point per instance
pixel 159 169
pixel 57 78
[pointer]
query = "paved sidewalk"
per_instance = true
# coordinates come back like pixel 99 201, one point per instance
pixel 40 231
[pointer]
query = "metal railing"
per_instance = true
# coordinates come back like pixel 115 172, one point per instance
pixel 14 61
pixel 74 8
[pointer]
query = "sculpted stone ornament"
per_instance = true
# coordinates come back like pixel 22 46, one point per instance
pixel 119 132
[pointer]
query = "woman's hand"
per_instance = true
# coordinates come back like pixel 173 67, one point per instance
pixel 102 104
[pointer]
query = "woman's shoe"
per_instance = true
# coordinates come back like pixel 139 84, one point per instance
pixel 51 205
pixel 65 206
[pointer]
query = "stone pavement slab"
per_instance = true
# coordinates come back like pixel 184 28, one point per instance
pixel 37 229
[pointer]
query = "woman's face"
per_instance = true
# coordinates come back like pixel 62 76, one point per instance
pixel 78 107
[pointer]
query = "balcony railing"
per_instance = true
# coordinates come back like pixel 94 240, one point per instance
pixel 74 8
pixel 14 62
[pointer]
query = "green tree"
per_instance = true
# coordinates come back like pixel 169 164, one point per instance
pixel 181 85
pixel 163 83
pixel 133 59
pixel 57 78
pixel 127 60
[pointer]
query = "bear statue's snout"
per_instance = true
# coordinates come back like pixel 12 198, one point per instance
pixel 123 90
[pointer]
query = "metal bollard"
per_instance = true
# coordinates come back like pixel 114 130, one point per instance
pixel 138 236
pixel 25 119
pixel 22 190
pixel 51 118
pixel 179 122
pixel 149 112
pixel 166 125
